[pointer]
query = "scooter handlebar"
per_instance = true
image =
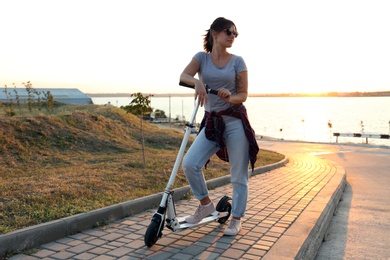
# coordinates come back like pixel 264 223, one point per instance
pixel 208 89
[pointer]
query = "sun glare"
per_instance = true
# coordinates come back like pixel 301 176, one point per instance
pixel 314 117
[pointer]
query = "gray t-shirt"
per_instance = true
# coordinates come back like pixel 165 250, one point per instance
pixel 216 77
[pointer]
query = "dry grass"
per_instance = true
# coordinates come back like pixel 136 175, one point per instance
pixel 84 157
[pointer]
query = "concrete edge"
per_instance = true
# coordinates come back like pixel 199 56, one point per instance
pixel 304 237
pixel 34 236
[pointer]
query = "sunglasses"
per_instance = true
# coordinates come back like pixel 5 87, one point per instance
pixel 228 32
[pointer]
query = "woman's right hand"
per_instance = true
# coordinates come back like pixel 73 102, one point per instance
pixel 200 93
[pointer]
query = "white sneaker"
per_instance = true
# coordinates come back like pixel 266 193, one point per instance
pixel 233 228
pixel 200 213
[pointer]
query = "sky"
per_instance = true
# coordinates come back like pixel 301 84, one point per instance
pixel 126 46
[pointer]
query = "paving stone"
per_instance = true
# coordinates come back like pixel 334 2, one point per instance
pixel 81 248
pixel 233 253
pixel 120 252
pixel 23 257
pixel 115 244
pixel 99 250
pixel 62 255
pixel 207 256
pixel 111 236
pixel 182 256
pixel 43 253
pixel 54 246
pixel 241 246
pixel 97 242
pixel 74 242
pixel 85 256
pixel 95 232
pixel 80 236
pixel 160 256
pixel 193 250
pixel 105 257
pixel 136 244
pixel 126 257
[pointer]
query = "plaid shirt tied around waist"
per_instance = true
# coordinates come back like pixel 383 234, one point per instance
pixel 215 126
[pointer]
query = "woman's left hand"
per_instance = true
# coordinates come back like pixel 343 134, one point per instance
pixel 224 94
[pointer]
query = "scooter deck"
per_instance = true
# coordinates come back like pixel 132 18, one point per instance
pixel 213 216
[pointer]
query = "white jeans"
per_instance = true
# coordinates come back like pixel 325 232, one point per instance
pixel 202 149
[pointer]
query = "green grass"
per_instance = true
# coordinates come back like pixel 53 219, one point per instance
pixel 83 157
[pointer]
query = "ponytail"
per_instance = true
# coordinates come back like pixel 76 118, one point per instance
pixel 208 41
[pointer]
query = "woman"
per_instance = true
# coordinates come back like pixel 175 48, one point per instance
pixel 225 129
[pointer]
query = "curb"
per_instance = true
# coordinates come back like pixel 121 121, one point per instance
pixel 303 239
pixel 34 236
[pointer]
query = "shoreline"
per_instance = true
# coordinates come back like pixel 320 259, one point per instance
pixel 181 129
pixel 330 94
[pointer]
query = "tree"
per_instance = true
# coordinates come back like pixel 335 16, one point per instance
pixel 8 107
pixel 49 101
pixel 30 93
pixel 139 106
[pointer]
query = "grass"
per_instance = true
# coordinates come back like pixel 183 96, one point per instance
pixel 83 157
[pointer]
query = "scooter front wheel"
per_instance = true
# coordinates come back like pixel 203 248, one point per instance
pixel 152 234
pixel 224 206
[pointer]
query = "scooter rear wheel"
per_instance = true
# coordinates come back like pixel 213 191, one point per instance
pixel 152 234
pixel 224 206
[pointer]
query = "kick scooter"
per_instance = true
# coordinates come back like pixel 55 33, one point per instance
pixel 166 212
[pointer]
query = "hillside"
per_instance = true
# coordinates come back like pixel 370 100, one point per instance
pixel 83 157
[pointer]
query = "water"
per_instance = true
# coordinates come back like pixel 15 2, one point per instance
pixel 295 118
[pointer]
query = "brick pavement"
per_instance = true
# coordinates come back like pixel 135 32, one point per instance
pixel 276 200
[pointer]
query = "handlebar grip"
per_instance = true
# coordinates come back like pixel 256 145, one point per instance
pixel 211 91
pixel 208 89
pixel 181 83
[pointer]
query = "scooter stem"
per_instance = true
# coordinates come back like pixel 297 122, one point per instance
pixel 182 149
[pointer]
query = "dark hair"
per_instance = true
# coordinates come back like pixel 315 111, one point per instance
pixel 218 25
